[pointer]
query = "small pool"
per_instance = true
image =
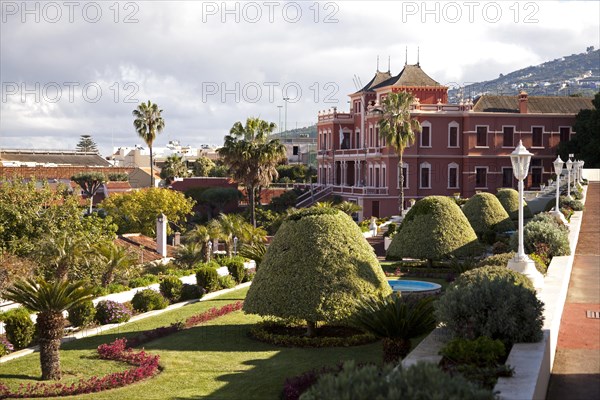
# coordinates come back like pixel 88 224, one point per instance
pixel 421 287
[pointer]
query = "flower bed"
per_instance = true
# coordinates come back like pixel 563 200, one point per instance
pixel 146 366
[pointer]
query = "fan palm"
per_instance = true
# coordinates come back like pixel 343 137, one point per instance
pixel 49 300
pixel 202 234
pixel 115 259
pixel 251 157
pixel 62 252
pixel 174 167
pixel 189 254
pixel 398 129
pixel 348 207
pixel 255 251
pixel 396 319
pixel 148 123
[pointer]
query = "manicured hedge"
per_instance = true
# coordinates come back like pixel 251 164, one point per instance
pixel 509 198
pixel 485 213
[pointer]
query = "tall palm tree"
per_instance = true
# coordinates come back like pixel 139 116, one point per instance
pixel 49 300
pixel 148 123
pixel 252 157
pixel 398 128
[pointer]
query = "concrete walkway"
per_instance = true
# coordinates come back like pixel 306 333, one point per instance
pixel 576 372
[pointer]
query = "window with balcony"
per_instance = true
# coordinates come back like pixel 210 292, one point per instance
pixel 481 177
pixel 537 136
pixel 508 133
pixel 482 132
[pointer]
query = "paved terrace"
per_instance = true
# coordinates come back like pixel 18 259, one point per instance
pixel 576 372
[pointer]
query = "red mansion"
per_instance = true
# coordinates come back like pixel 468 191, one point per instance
pixel 463 148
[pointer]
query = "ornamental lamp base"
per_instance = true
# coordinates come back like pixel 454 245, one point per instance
pixel 526 266
pixel 560 216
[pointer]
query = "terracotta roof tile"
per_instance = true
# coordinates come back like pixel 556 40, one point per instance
pixel 535 104
pixel 142 245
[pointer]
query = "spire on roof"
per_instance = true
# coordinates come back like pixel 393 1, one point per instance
pixel 418 56
pixel 406 55
pixel 389 63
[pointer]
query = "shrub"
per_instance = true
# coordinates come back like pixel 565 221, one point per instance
pixel 144 281
pixel 208 279
pixel 549 218
pixel 5 346
pixel 391 229
pixel 396 319
pixel 236 268
pixel 111 312
pixel 82 314
pixel 170 288
pixel 420 381
pixel 499 260
pixel 19 327
pixel 492 301
pixel 536 232
pixel 500 247
pixel 509 199
pixel 434 228
pixel 249 275
pixel 254 251
pixel 316 267
pixel 190 292
pixel 485 213
pixel 574 204
pixel 116 288
pixel 226 282
pixel 482 351
pixel 279 335
pixel 148 300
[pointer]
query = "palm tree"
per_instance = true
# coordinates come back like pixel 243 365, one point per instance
pixel 201 235
pixel 189 254
pixel 148 123
pixel 396 319
pixel 49 300
pixel 348 207
pixel 251 157
pixel 398 129
pixel 115 259
pixel 174 168
pixel 62 252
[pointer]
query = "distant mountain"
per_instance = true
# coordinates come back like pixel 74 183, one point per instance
pixel 306 132
pixel 577 74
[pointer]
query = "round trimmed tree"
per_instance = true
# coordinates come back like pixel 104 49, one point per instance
pixel 509 198
pixel 315 269
pixel 434 229
pixel 485 213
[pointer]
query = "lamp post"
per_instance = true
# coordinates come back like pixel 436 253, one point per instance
pixel 581 173
pixel 558 166
pixel 280 127
pixel 235 242
pixel 286 99
pixel 520 159
pixel 569 168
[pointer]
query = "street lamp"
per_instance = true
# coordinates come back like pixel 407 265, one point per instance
pixel 286 99
pixel 581 174
pixel 558 166
pixel 569 168
pixel 520 159
pixel 235 241
pixel 280 127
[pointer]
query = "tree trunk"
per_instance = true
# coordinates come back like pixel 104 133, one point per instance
pixel 395 349
pixel 401 201
pixel 311 328
pixel 151 168
pixel 205 252
pixel 107 277
pixel 91 204
pixel 50 326
pixel 250 193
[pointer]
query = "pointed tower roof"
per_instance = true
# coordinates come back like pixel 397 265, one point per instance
pixel 411 75
pixel 377 79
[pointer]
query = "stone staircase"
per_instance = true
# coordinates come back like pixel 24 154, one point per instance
pixel 377 243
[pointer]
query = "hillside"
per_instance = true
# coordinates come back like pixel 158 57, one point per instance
pixel 577 74
pixel 306 132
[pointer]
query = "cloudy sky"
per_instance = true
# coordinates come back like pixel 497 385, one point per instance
pixel 73 68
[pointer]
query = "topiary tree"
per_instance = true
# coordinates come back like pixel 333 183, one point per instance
pixel 509 198
pixel 434 229
pixel 485 213
pixel 316 267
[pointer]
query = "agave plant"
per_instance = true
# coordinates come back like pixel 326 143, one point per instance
pixel 396 320
pixel 49 300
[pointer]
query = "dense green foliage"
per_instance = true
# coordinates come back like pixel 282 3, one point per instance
pixel 190 292
pixel 434 228
pixel 485 213
pixel 586 143
pixel 492 301
pixel 136 212
pixel 421 381
pixel 236 268
pixel 544 231
pixel 316 267
pixel 174 167
pixel 148 300
pixel 82 314
pixel 509 198
pixel 208 278
pixel 202 166
pixel 86 144
pixel 170 287
pixel 481 351
pixel 18 326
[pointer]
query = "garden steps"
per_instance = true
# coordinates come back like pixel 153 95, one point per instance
pixel 377 243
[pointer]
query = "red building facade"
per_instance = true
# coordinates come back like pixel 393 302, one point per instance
pixel 463 148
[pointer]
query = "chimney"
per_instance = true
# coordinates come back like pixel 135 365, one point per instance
pixel 523 102
pixel 161 235
pixel 177 239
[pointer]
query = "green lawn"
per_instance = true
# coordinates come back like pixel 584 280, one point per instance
pixel 215 360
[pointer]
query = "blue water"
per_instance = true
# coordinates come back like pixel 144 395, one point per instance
pixel 413 286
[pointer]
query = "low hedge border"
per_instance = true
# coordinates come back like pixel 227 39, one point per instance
pixel 260 333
